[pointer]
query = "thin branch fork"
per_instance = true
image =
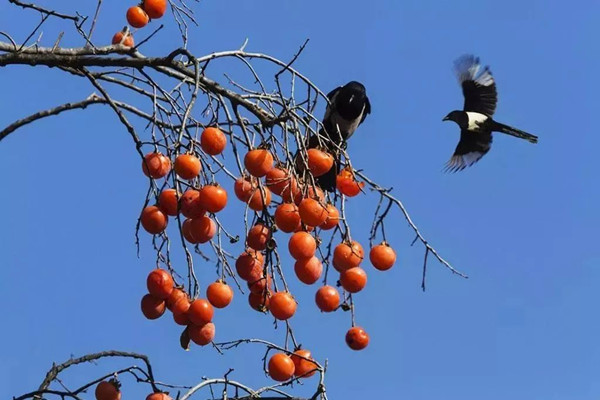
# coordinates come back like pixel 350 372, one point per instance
pixel 57 369
pixel 428 248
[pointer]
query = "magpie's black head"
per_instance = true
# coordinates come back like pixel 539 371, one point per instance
pixel 351 100
pixel 460 117
pixel 453 116
pixel 456 116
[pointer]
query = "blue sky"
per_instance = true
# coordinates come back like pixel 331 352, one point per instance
pixel 522 223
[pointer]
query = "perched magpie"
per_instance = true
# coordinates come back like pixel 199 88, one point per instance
pixel 475 121
pixel 348 109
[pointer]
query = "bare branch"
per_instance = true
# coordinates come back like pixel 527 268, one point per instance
pixel 384 192
pixel 43 10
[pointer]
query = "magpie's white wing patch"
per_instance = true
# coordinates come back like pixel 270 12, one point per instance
pixel 349 126
pixel 476 120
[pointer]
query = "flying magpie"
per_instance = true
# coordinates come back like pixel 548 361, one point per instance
pixel 475 121
pixel 348 108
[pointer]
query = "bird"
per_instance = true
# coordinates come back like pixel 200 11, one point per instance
pixel 475 120
pixel 347 109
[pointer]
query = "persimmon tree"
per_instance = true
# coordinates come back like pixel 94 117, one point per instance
pixel 204 143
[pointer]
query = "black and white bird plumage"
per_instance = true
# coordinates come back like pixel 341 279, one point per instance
pixel 348 108
pixel 475 120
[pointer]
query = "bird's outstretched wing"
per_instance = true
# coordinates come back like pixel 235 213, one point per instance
pixel 479 87
pixel 471 147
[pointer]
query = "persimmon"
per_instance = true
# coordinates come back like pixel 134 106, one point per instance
pixel 202 334
pixel 258 162
pixel 258 237
pixel 327 298
pixel 333 217
pixel 319 162
pixel 158 396
pixel 382 256
pixel 357 338
pixel 244 188
pixel 302 245
pixel 249 264
pixel 259 285
pixel 259 301
pixel 190 204
pixel 308 270
pixel 181 306
pixel 155 8
pixel 153 220
pixel 309 192
pixel 291 191
pixel 213 141
pixel 137 17
pixel 118 39
pixel 303 367
pixel 187 166
pixel 200 312
pixel 202 229
pixel 219 294
pixel 312 212
pixel 187 232
pixel 346 183
pixel 347 255
pixel 108 390
pixel 213 198
pixel 287 217
pixel 176 294
pixel 281 367
pixel 354 279
pixel 199 230
pixel 282 305
pixel 254 275
pixel 152 307
pixel 260 198
pixel 181 318
pixel 279 181
pixel 159 283
pixel 167 201
pixel 156 165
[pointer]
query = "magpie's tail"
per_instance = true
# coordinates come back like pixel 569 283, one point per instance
pixel 509 130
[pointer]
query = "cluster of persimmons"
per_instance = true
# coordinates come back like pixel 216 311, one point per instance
pixel 301 211
pixel 139 16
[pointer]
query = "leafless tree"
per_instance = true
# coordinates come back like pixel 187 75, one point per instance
pixel 172 99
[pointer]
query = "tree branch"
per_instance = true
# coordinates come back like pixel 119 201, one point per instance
pixel 57 369
pixel 78 58
pixel 43 10
pixel 428 248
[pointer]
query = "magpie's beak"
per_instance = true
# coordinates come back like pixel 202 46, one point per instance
pixel 445 118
